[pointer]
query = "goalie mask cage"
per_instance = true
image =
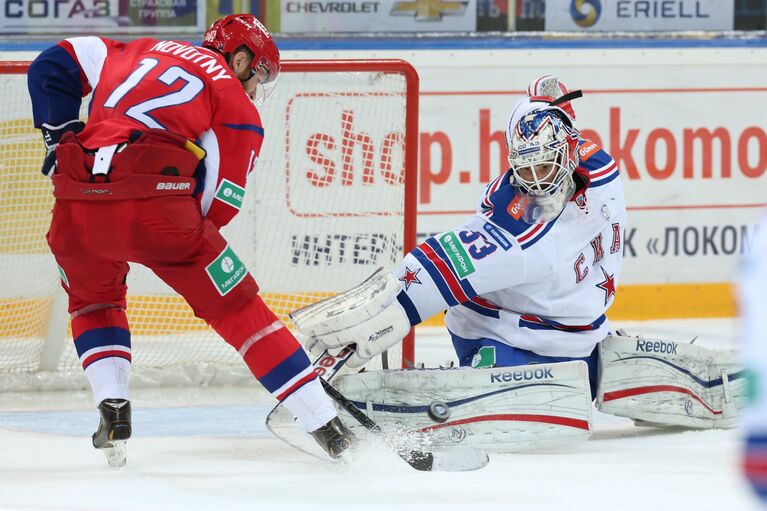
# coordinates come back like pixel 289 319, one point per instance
pixel 332 198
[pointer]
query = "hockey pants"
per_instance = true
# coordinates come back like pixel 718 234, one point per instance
pixel 93 241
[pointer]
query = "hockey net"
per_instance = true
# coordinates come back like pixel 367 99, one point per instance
pixel 331 199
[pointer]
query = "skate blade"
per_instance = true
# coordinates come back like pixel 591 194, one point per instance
pixel 115 453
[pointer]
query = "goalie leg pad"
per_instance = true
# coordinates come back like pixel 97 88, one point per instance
pixel 670 383
pixel 498 409
pixel 484 352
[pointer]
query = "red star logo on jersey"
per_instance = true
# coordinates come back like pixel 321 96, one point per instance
pixel 410 277
pixel 608 285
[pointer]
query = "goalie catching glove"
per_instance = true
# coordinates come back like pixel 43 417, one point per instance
pixel 367 315
pixel 51 137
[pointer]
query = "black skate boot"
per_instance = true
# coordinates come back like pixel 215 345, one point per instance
pixel 334 438
pixel 114 430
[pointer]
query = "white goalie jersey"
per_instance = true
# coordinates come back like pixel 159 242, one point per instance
pixel 539 287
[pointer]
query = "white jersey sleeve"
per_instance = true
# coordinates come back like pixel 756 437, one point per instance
pixel 457 266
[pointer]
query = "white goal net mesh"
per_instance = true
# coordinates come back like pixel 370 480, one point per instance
pixel 324 208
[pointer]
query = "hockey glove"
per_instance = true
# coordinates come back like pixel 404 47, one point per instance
pixel 51 137
pixel 367 315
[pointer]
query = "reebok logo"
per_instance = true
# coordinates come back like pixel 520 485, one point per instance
pixel 656 347
pixel 173 186
pixel 543 373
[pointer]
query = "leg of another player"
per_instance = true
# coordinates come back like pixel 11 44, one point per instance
pixel 96 289
pixel 229 302
pixel 278 361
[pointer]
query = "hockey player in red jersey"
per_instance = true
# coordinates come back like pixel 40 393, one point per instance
pixel 149 179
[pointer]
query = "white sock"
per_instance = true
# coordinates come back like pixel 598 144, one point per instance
pixel 311 406
pixel 109 378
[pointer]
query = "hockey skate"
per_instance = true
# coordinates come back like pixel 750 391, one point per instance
pixel 334 438
pixel 114 429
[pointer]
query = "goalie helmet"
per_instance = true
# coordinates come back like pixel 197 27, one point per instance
pixel 543 153
pixel 227 34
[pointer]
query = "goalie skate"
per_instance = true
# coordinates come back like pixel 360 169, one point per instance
pixel 114 430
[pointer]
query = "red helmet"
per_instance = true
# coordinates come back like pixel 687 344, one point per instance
pixel 230 32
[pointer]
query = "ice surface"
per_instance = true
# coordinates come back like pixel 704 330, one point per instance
pixel 208 449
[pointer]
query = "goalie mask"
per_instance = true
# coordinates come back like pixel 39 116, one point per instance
pixel 543 156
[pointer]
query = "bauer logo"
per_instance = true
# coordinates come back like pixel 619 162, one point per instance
pixel 585 12
pixel 173 186
pixel 230 193
pixel 656 347
pixel 457 255
pixel 226 271
pixel 541 373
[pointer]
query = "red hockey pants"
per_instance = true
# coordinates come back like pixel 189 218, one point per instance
pixel 93 240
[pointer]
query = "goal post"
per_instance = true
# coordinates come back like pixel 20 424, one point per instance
pixel 332 197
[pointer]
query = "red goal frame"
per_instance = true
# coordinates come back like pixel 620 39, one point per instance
pixel 389 66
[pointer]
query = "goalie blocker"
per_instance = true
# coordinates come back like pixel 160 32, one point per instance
pixel 670 383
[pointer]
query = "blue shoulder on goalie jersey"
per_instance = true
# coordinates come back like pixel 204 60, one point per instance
pixel 600 166
pixel 501 205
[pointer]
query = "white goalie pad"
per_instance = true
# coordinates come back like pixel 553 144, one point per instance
pixel 367 315
pixel 496 409
pixel 669 383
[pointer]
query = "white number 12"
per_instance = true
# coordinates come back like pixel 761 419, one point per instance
pixel 140 112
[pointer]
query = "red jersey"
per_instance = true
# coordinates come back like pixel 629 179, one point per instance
pixel 179 87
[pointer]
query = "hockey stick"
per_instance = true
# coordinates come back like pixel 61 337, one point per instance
pixel 454 460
